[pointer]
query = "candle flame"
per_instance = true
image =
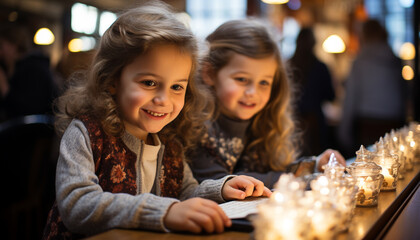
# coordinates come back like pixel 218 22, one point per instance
pixel 402 148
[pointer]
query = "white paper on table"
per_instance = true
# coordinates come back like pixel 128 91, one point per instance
pixel 242 208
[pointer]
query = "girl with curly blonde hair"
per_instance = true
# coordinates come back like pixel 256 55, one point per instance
pixel 252 131
pixel 126 125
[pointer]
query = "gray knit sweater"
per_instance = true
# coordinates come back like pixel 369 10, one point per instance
pixel 86 209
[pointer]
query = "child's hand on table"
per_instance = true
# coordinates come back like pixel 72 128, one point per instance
pixel 243 186
pixel 196 215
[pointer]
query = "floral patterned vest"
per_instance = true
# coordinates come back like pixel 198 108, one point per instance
pixel 115 168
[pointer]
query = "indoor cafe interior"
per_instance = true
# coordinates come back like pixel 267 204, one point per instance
pixel 354 77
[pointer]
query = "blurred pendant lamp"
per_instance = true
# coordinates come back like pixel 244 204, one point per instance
pixel 334 44
pixel 44 36
pixel 407 51
pixel 275 1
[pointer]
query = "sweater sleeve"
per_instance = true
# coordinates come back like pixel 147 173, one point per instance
pixel 84 207
pixel 205 166
pixel 210 189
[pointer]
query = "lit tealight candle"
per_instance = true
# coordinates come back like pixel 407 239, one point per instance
pixel 369 181
pixel 389 164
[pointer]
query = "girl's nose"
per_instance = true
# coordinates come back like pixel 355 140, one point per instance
pixel 161 98
pixel 250 90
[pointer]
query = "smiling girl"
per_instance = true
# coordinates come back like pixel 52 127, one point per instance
pixel 126 125
pixel 252 131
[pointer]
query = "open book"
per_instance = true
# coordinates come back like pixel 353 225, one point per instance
pixel 240 212
pixel 242 208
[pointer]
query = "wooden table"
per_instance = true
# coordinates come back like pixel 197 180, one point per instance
pixel 119 234
pixel 393 218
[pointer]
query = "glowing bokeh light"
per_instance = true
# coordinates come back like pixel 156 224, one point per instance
pixel 407 73
pixel 407 51
pixel 334 44
pixel 275 1
pixel 44 36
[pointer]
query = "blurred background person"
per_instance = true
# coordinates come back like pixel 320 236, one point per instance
pixel 375 91
pixel 313 87
pixel 27 86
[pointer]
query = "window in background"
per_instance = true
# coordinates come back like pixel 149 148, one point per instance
pixel 89 23
pixel 208 15
pixel 83 18
pixel 106 20
pixel 397 17
pixel 291 30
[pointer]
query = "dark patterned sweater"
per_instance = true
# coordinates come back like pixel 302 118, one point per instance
pixel 221 152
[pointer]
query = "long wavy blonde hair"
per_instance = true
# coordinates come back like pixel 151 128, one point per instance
pixel 271 132
pixel 131 35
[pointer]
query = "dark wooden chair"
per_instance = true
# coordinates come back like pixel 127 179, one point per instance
pixel 28 153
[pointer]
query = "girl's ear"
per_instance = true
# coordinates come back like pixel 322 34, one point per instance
pixel 207 74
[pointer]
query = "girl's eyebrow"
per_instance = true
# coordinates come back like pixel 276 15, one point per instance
pixel 158 76
pixel 246 73
pixel 182 80
pixel 269 76
pixel 147 74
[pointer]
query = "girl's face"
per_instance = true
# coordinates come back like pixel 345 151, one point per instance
pixel 243 86
pixel 151 90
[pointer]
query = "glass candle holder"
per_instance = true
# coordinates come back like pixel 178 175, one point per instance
pixel 405 139
pixel 346 202
pixel 275 221
pixel 415 127
pixel 363 155
pixel 324 221
pixel 342 188
pixel 333 169
pixel 369 180
pixel 396 147
pixel 411 147
pixel 334 194
pixel 282 216
pixel 389 164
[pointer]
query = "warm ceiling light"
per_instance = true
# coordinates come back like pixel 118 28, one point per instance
pixel 81 44
pixel 407 73
pixel 275 1
pixel 407 51
pixel 334 44
pixel 75 45
pixel 44 36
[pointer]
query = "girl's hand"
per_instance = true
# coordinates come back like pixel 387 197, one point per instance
pixel 325 157
pixel 243 186
pixel 195 215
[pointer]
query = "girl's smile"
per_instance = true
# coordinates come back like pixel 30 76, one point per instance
pixel 247 105
pixel 155 114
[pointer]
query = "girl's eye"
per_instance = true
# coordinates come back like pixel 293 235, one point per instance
pixel 149 83
pixel 265 83
pixel 177 87
pixel 241 79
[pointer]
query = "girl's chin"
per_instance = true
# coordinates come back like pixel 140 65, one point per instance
pixel 238 118
pixel 155 130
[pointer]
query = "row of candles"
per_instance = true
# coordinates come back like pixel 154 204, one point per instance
pixel 327 209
